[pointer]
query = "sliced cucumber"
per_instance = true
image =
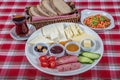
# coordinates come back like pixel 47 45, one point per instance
pixel 85 60
pixel 91 55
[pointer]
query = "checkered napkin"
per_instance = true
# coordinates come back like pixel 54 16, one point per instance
pixel 15 66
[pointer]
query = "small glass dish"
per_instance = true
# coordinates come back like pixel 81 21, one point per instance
pixel 86 13
pixel 16 37
pixel 88 44
pixel 73 48
pixel 40 49
pixel 57 50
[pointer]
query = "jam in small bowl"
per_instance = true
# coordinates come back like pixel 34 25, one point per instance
pixel 57 50
pixel 40 49
pixel 73 48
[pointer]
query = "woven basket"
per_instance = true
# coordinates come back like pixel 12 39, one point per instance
pixel 41 23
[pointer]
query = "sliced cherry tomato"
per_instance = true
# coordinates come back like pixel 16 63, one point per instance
pixel 43 59
pixel 44 64
pixel 52 64
pixel 51 58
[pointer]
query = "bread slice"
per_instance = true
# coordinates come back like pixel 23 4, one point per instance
pixel 61 7
pixel 32 12
pixel 41 11
pixel 47 8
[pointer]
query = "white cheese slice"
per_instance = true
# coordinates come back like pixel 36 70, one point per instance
pixel 60 29
pixel 39 39
pixel 54 35
pixel 50 32
pixel 46 31
pixel 68 32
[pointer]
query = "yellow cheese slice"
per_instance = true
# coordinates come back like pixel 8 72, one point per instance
pixel 74 30
pixel 79 29
pixel 83 36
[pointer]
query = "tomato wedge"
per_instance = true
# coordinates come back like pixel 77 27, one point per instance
pixel 47 62
pixel 43 58
pixel 44 64
pixel 52 64
pixel 51 58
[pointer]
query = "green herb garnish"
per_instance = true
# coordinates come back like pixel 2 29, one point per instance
pixel 102 18
pixel 95 18
pixel 94 23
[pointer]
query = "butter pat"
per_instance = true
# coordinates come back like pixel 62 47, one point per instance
pixel 87 43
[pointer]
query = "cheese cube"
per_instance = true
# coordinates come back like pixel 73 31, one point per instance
pixel 87 43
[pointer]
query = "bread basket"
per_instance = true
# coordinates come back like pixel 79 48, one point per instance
pixel 41 23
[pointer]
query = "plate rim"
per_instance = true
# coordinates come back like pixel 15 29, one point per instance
pixel 61 74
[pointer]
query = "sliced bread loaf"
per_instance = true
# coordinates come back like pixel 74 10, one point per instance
pixel 41 11
pixel 61 7
pixel 33 11
pixel 47 8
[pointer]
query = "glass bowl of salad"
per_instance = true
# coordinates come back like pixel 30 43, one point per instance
pixel 97 20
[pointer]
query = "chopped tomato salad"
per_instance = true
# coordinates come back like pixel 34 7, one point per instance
pixel 97 21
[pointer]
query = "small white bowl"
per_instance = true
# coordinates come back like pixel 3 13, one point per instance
pixel 37 53
pixel 93 45
pixel 73 52
pixel 57 54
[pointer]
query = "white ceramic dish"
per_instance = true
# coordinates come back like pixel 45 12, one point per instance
pixel 58 54
pixel 92 48
pixel 84 67
pixel 16 37
pixel 75 52
pixel 40 53
pixel 86 13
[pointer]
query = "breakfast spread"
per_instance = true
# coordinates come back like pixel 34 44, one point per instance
pixel 62 47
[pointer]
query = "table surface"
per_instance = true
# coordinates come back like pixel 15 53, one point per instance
pixel 14 64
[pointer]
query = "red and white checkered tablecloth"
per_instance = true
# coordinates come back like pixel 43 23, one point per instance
pixel 15 66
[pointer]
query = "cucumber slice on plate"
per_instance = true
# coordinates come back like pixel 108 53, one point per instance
pixel 85 60
pixel 91 55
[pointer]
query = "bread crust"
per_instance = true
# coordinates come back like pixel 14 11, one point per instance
pixel 54 8
pixel 58 10
pixel 32 11
pixel 46 10
pixel 42 10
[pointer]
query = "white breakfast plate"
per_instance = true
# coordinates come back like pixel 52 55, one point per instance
pixel 33 59
pixel 86 13
pixel 16 37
